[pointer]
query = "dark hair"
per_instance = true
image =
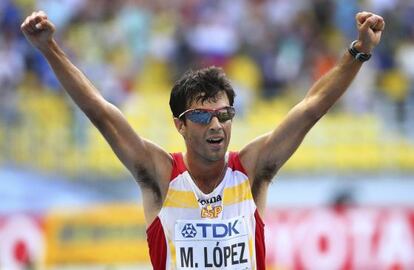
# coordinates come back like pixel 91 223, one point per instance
pixel 200 85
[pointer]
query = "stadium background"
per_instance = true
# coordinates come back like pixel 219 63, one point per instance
pixel 344 201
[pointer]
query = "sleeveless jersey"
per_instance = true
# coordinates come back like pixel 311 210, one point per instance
pixel 220 230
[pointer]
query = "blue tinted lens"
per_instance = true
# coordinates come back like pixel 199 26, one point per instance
pixel 200 117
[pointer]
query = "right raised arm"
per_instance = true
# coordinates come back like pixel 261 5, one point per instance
pixel 149 164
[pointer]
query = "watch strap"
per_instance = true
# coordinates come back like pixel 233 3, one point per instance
pixel 362 57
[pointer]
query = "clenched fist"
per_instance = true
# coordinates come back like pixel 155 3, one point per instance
pixel 38 29
pixel 370 27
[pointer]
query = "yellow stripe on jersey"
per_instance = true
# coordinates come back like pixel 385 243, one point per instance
pixel 172 252
pixel 251 251
pixel 238 193
pixel 180 199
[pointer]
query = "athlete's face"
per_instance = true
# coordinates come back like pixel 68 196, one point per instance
pixel 207 141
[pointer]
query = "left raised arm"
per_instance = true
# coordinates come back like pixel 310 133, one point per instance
pixel 326 91
pixel 264 156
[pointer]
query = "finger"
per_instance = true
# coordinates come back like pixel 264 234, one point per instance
pixel 26 27
pixel 382 28
pixel 32 21
pixel 379 25
pixel 369 23
pixel 42 14
pixel 39 16
pixel 35 18
pixel 44 25
pixel 361 17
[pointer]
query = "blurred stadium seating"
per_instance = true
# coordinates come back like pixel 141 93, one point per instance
pixel 340 142
pixel 134 51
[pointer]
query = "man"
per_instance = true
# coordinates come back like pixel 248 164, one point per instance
pixel 203 207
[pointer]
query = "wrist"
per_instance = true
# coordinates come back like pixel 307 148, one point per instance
pixel 48 46
pixel 359 52
pixel 50 49
pixel 361 47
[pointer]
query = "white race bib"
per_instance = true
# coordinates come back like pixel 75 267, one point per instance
pixel 212 244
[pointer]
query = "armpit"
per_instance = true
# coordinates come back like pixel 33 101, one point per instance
pixel 147 182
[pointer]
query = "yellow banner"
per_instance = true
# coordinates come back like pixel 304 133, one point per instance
pixel 102 234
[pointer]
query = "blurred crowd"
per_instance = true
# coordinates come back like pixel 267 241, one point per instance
pixel 269 48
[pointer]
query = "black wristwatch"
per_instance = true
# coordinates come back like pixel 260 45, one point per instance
pixel 362 57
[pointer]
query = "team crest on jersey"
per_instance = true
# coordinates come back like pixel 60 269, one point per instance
pixel 211 211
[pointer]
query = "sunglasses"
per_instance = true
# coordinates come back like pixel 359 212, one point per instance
pixel 204 116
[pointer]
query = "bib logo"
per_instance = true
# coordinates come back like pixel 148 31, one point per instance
pixel 219 230
pixel 189 231
pixel 212 244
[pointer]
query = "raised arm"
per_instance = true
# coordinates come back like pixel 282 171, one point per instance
pixel 263 157
pixel 148 163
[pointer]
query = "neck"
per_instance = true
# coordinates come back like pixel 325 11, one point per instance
pixel 206 174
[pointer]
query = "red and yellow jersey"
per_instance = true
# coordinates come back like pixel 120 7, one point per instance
pixel 219 230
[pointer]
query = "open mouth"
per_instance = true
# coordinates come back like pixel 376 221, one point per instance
pixel 215 140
